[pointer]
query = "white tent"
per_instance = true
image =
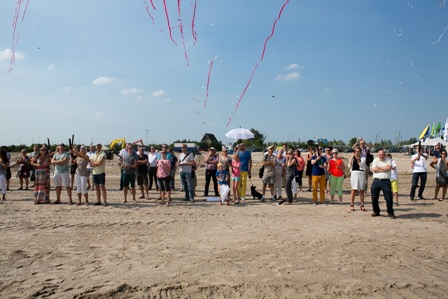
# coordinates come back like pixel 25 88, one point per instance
pixel 431 142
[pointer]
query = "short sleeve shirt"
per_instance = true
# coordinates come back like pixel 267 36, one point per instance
pixel 62 168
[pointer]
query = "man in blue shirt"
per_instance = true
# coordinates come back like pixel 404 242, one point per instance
pixel 318 175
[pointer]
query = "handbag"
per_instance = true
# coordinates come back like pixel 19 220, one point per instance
pixel 261 172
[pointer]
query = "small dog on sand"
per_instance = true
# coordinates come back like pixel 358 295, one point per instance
pixel 255 193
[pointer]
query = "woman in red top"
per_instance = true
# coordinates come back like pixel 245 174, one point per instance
pixel 336 169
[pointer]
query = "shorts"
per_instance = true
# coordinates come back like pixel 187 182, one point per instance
pixel 142 179
pixel 394 186
pixel 62 179
pixel 236 178
pixel 128 179
pixel 99 179
pixel 269 179
pixel 164 183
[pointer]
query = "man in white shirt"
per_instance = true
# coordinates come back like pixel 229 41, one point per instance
pixel 381 167
pixel 418 164
pixel 152 169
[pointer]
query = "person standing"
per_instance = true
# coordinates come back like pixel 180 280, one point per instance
pixel 336 171
pixel 34 154
pixel 269 173
pixel 185 163
pixel 82 174
pixel 309 167
pixel 357 167
pixel 4 162
pixel 300 168
pixel 152 169
pixel 236 173
pixel 318 176
pixel 418 164
pixel 8 167
pixel 224 189
pixel 381 167
pixel 280 163
pixel 163 177
pixel 99 174
pixel 41 164
pixel 61 177
pixel 129 171
pixel 211 162
pixel 290 169
pixel 393 179
pixel 24 169
pixel 441 166
pixel 246 168
pixel 142 172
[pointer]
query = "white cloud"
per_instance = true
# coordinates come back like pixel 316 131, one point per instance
pixel 67 88
pixel 167 100
pixel 7 53
pixel 103 80
pixel 158 93
pixel 51 67
pixel 292 66
pixel 288 77
pixel 98 114
pixel 131 91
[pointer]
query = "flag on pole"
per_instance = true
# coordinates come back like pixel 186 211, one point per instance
pixel 445 131
pixel 424 134
pixel 433 130
pixel 438 128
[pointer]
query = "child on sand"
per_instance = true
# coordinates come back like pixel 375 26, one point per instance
pixel 236 174
pixel 224 188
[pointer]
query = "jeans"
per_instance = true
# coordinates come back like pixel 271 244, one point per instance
pixel 152 176
pixel 187 183
pixel 415 176
pixel 377 186
pixel 211 174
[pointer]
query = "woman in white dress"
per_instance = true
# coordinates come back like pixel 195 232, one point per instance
pixel 357 167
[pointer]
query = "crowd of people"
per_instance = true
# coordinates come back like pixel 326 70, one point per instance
pixel 282 168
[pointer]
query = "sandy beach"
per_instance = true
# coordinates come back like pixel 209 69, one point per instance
pixel 204 250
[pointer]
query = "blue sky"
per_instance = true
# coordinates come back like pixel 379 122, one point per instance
pixel 333 69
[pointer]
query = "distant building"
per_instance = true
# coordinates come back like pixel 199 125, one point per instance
pixel 209 138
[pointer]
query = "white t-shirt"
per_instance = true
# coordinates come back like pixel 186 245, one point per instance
pixel 419 165
pixel 152 159
pixel 377 163
pixel 185 158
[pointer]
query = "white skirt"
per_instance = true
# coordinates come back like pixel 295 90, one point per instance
pixel 358 180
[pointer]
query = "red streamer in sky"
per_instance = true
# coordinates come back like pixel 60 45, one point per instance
pixel 208 84
pixel 152 3
pixel 242 95
pixel 147 10
pixel 182 32
pixel 168 21
pixel 273 29
pixel 255 68
pixel 193 31
pixel 15 33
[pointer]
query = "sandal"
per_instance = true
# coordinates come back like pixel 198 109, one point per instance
pixel 352 208
pixel 363 209
pixel 441 199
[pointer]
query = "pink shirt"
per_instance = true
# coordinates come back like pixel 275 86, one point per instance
pixel 163 168
pixel 236 172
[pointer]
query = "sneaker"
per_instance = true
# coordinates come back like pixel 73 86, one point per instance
pixel 375 214
pixel 273 199
pixel 262 199
pixel 421 197
pixel 242 198
pixel 392 216
pixel 411 198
